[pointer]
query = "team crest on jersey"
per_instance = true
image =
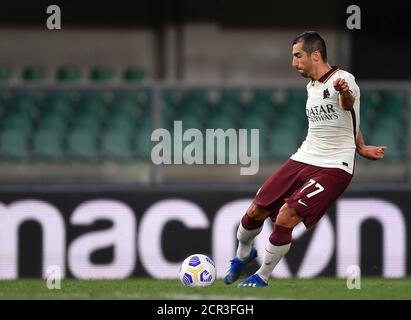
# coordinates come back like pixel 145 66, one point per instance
pixel 326 94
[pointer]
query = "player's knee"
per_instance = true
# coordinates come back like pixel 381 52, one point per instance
pixel 257 212
pixel 287 217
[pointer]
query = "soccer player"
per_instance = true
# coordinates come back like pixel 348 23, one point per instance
pixel 304 187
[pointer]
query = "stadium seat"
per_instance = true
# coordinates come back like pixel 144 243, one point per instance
pixel 395 97
pixel 295 102
pixel 396 147
pixel 144 101
pixel 18 122
pixel 297 97
pixel 283 144
pixel 262 108
pixel 291 122
pixel 115 145
pixel 370 101
pixel 194 108
pixel 228 109
pixel 295 110
pixel 255 121
pixel 101 74
pixel 34 73
pixel 3 109
pixel 189 122
pixel 370 98
pixel 82 145
pixel 264 151
pixel 127 104
pixel 48 145
pixel 264 95
pixel 232 95
pixel 198 95
pixel 195 96
pixel 24 104
pixel 391 125
pixel 4 96
pixel 14 145
pixel 170 98
pixel 133 74
pixel 87 122
pixel 394 104
pixel 58 104
pixel 142 144
pixel 263 125
pixel 145 124
pixel 92 104
pixel 368 112
pixel 220 121
pixel 53 122
pixel 5 73
pixel 68 73
pixel 366 127
pixel 121 122
pixel 169 115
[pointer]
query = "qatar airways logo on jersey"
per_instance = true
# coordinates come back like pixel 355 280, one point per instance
pixel 321 113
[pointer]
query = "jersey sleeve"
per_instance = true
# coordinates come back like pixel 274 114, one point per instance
pixel 355 90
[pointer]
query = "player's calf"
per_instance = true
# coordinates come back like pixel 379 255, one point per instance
pixel 277 247
pixel 248 229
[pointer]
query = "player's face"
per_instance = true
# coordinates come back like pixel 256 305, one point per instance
pixel 301 60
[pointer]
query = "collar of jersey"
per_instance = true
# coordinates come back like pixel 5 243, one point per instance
pixel 328 75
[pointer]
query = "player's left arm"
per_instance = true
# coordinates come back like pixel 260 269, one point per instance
pixel 345 94
pixel 369 152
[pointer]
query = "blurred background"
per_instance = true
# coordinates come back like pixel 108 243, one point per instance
pixel 78 105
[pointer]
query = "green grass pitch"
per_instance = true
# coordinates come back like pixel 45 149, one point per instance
pixel 151 289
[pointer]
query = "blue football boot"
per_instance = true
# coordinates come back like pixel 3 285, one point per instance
pixel 237 265
pixel 254 281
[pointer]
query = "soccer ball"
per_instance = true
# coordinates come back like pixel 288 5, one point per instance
pixel 197 270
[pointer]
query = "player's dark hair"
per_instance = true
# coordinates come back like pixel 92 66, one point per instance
pixel 312 41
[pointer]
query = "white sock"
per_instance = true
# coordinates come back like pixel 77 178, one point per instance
pixel 245 241
pixel 272 257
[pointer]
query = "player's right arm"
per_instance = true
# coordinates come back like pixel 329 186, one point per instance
pixel 345 95
pixel 369 152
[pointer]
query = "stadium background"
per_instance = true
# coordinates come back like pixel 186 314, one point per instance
pixel 78 105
